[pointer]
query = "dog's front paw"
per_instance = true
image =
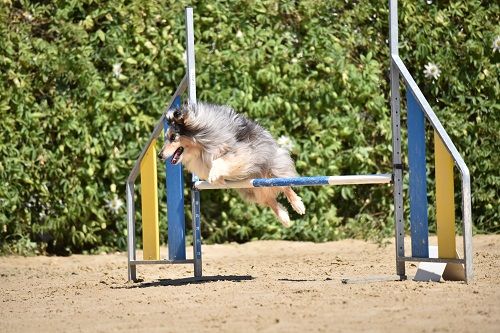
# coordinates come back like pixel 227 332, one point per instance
pixel 217 172
pixel 214 178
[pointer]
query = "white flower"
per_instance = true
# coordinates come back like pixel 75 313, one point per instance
pixel 114 204
pixel 432 71
pixel 239 34
pixel 285 142
pixel 112 187
pixel 117 70
pixel 28 16
pixel 496 44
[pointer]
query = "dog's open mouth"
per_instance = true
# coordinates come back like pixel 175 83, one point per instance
pixel 177 155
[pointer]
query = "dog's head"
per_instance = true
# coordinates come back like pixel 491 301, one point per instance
pixel 172 146
pixel 177 137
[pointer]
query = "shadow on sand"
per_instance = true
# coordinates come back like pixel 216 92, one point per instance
pixel 186 281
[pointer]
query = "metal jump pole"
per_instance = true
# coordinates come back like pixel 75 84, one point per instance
pixel 195 194
pixel 397 164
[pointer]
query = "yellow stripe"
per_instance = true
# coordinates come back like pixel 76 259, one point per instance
pixel 149 200
pixel 445 200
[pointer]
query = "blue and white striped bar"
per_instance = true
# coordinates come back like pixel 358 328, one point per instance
pixel 299 181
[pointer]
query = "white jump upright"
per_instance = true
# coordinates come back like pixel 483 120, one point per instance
pixel 419 111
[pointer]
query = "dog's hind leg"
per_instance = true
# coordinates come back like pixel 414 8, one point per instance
pixel 280 212
pixel 267 197
pixel 294 200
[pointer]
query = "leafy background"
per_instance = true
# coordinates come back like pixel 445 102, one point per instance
pixel 83 83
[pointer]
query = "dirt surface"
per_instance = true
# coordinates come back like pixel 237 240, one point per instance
pixel 264 286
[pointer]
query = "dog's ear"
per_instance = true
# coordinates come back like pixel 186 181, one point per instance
pixel 187 109
pixel 175 116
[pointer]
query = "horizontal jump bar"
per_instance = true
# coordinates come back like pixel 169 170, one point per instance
pixel 298 181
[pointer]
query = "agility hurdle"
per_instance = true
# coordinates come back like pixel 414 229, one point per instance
pixel 444 263
pixel 145 165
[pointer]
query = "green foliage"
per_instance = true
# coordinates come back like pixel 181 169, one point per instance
pixel 83 83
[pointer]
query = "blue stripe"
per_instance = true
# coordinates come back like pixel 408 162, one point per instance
pixel 175 205
pixel 298 181
pixel 418 179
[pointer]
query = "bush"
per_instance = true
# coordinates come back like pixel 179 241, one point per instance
pixel 83 83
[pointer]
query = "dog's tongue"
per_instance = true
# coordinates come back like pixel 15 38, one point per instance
pixel 177 155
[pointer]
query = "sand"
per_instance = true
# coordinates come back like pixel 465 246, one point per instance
pixel 263 286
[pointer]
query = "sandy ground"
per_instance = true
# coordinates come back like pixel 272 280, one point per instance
pixel 265 286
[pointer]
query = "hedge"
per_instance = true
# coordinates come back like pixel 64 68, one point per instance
pixel 83 83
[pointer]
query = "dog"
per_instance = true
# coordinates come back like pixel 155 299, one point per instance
pixel 218 144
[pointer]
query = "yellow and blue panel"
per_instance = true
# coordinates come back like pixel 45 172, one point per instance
pixel 445 202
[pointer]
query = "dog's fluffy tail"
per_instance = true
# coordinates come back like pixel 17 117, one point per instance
pixel 295 201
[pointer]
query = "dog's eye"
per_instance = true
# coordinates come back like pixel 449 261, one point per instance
pixel 172 137
pixel 177 113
